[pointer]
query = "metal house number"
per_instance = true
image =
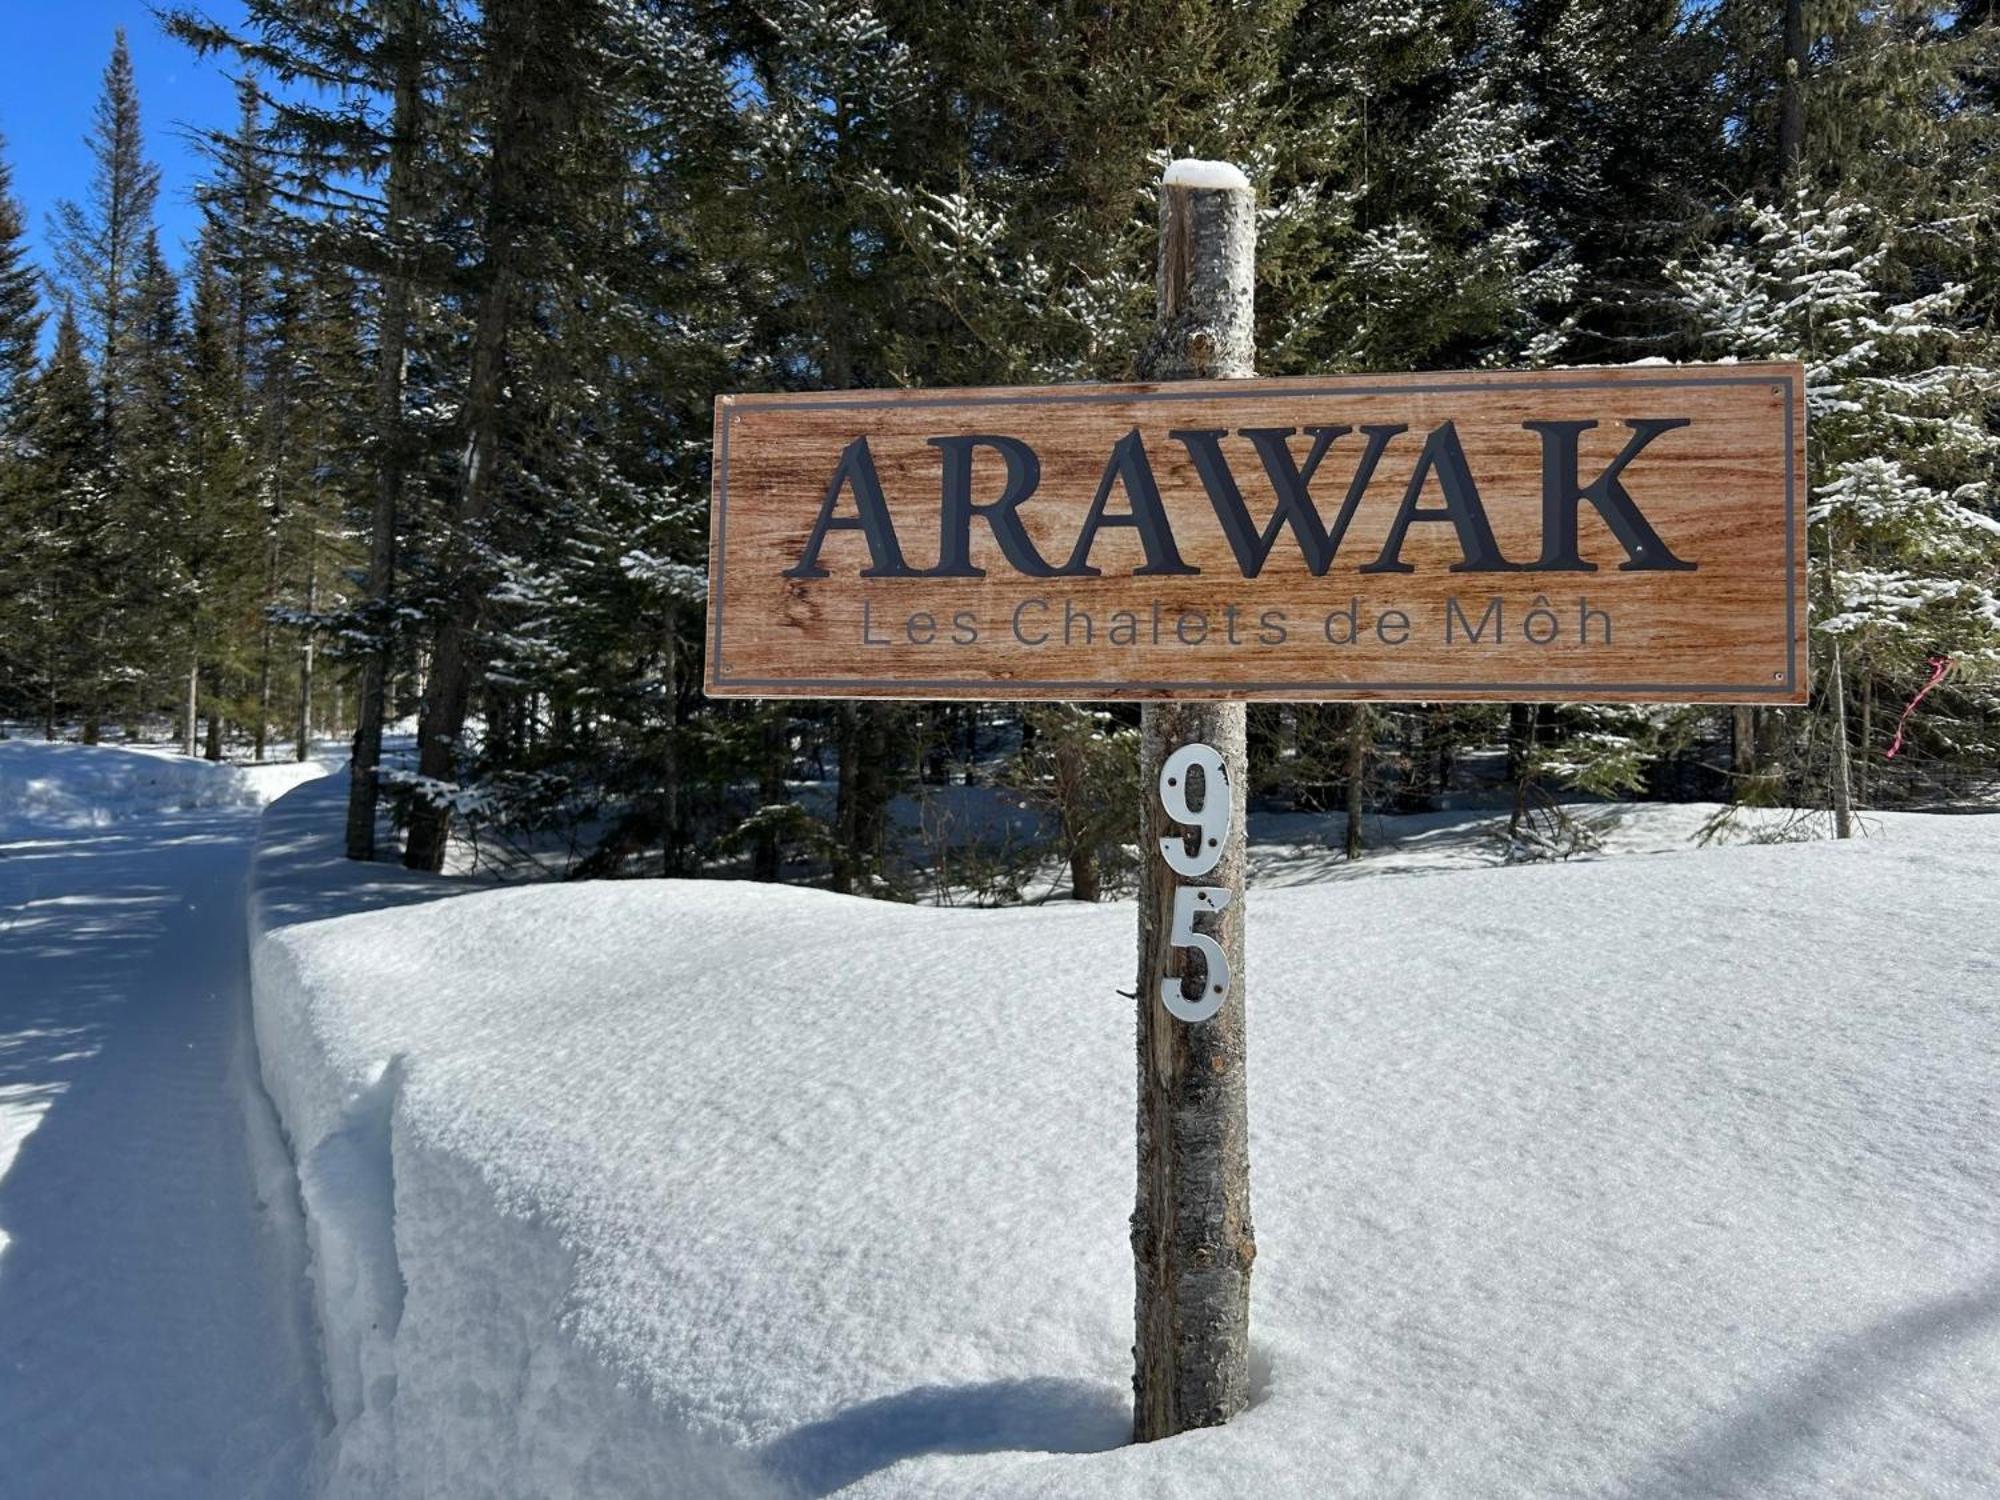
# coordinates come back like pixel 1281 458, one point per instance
pixel 1211 824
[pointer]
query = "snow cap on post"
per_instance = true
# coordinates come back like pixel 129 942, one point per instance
pixel 1208 218
pixel 1192 172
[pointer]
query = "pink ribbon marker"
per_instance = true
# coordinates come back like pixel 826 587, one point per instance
pixel 1939 666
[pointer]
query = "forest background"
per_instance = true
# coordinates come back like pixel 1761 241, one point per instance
pixel 417 427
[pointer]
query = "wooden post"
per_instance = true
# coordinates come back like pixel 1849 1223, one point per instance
pixel 1192 1242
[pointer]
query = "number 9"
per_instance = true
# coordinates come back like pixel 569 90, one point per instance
pixel 1211 818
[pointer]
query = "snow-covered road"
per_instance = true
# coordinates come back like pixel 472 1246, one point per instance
pixel 153 1330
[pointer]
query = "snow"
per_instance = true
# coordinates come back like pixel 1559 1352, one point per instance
pixel 1194 173
pixel 153 1336
pixel 71 786
pixel 1659 1175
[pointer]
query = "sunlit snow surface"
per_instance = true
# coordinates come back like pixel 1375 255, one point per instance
pixel 1661 1175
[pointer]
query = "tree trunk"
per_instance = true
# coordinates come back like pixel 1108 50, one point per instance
pixel 773 753
pixel 1791 92
pixel 391 445
pixel 1086 878
pixel 846 743
pixel 1192 1238
pixel 1193 1241
pixel 1843 786
pixel 1522 721
pixel 1360 728
pixel 1742 749
pixel 1867 761
pixel 264 654
pixel 874 783
pixel 191 728
pixel 671 842
pixel 263 697
pixel 214 750
pixel 442 717
pixel 306 647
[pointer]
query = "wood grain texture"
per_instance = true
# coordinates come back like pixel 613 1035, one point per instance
pixel 1725 492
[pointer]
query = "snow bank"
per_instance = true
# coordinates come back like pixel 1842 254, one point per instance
pixel 1660 1176
pixel 442 1305
pixel 94 786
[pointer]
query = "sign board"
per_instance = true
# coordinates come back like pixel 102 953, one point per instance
pixel 1631 533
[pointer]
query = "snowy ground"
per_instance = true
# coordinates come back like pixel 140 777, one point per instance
pixel 940 826
pixel 1655 1176
pixel 154 1340
pixel 63 786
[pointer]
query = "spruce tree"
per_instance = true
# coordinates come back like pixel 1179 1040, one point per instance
pixel 357 166
pixel 20 311
pixel 20 329
pixel 99 242
pixel 240 239
pixel 1437 253
pixel 150 479
pixel 591 358
pixel 224 534
pixel 1630 129
pixel 324 386
pixel 1904 540
pixel 56 559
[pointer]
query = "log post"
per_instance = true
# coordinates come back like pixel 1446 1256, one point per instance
pixel 1192 1241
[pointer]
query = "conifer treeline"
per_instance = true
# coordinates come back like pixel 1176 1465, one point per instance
pixel 422 431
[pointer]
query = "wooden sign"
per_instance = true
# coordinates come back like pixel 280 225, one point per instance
pixel 1632 533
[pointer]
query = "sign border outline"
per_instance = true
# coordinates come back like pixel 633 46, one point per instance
pixel 1081 690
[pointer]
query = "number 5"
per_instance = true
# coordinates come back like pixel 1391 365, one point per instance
pixel 1189 900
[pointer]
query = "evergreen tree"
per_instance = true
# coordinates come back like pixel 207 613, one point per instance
pixel 362 185
pixel 56 559
pixel 1630 128
pixel 1080 767
pixel 1903 532
pixel 545 236
pixel 240 242
pixel 20 330
pixel 99 243
pixel 150 479
pixel 1436 255
pixel 20 312
pixel 224 525
pixel 531 79
pixel 315 404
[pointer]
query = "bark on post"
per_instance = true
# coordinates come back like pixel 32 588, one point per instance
pixel 1192 1242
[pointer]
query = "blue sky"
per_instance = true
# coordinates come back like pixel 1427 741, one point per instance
pixel 52 57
